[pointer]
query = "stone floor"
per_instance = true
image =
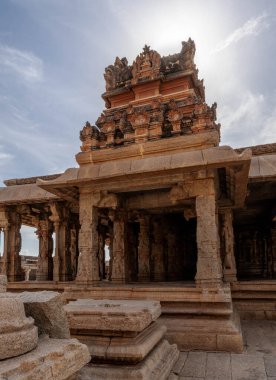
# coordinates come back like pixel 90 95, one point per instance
pixel 258 362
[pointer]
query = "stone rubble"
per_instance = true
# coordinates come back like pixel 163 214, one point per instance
pixel 24 355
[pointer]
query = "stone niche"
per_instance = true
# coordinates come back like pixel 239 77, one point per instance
pixel 123 338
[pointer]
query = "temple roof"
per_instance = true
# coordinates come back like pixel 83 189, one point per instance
pixel 29 180
pixel 64 186
pixel 28 193
pixel 263 168
pixel 156 172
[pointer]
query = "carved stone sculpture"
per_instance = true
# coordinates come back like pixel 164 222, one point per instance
pixel 118 74
pixel 146 66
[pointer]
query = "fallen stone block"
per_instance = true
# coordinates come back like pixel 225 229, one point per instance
pixel 46 308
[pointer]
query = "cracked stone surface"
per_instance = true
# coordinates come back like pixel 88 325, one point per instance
pixel 52 359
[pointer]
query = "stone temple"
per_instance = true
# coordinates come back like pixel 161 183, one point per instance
pixel 156 210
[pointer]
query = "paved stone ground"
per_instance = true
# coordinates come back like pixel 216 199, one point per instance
pixel 258 362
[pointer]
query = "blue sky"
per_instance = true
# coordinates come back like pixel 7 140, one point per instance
pixel 53 54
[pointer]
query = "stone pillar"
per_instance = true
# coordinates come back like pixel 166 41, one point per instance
pixel 110 230
pixel 64 245
pixel 157 252
pixel 118 273
pixel 132 252
pixel 229 262
pixel 11 260
pixel 88 265
pixel 209 270
pixel 73 251
pixel 4 258
pixel 62 258
pixel 101 255
pixel 143 250
pixel 172 259
pixel 56 259
pixel 273 249
pixel 45 260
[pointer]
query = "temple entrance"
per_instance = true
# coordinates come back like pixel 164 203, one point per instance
pixel 180 249
pixel 161 248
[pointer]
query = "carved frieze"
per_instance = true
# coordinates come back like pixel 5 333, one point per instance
pixel 89 136
pixel 139 120
pixel 174 116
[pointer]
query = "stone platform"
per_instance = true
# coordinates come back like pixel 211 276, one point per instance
pixel 195 317
pixel 257 362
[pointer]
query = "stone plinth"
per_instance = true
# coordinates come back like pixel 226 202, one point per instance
pixel 124 349
pixel 156 366
pixel 112 317
pixel 17 333
pixel 53 359
pixel 123 338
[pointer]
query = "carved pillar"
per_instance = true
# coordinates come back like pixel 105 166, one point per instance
pixel 17 271
pixel 273 250
pixel 56 259
pixel 45 260
pixel 132 251
pixel 143 250
pixel 157 252
pixel 62 259
pixel 229 262
pixel 172 260
pixel 208 259
pixel 118 273
pixel 64 243
pixel 88 266
pixel 6 252
pixel 110 229
pixel 11 261
pixel 73 251
pixel 101 255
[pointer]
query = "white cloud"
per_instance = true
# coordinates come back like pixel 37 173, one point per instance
pixel 4 156
pixel 25 64
pixel 250 120
pixel 253 26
